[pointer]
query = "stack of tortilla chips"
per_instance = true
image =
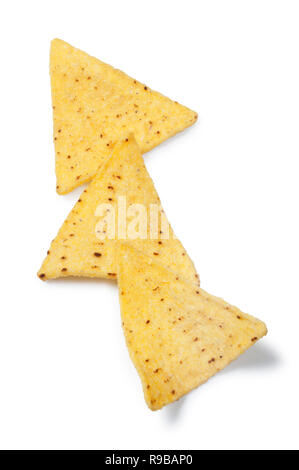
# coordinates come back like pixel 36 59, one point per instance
pixel 178 336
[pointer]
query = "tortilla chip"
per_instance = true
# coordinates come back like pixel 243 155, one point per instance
pixel 94 105
pixel 78 251
pixel 178 336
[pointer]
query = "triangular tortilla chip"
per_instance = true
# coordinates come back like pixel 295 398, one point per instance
pixel 178 336
pixel 78 251
pixel 94 105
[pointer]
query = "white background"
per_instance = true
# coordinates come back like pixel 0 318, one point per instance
pixel 66 380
